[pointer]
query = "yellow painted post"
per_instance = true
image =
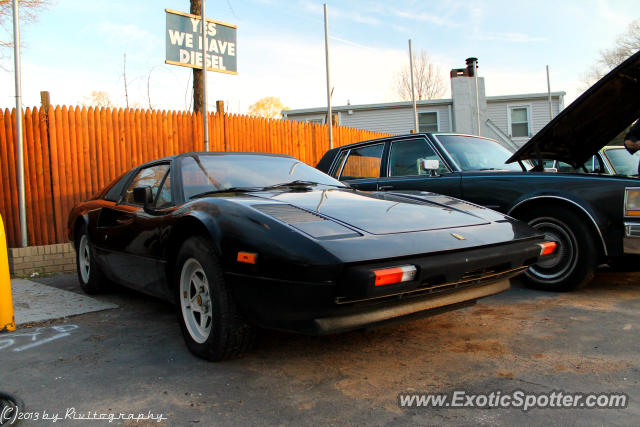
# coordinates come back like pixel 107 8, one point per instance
pixel 7 322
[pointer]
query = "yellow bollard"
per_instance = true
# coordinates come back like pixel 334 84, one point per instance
pixel 7 321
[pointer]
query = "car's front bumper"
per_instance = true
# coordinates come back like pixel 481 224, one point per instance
pixel 402 309
pixel 351 301
pixel 310 308
pixel 631 241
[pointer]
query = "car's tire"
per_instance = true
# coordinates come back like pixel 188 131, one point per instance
pixel 91 278
pixel 575 258
pixel 10 408
pixel 211 323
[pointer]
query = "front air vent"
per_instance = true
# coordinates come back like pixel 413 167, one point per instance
pixel 288 214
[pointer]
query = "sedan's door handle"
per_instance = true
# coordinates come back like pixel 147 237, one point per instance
pixel 385 187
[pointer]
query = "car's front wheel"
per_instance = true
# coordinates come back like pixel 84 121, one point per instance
pixel 572 264
pixel 211 324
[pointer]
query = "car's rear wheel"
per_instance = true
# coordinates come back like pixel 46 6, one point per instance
pixel 211 323
pixel 90 276
pixel 572 264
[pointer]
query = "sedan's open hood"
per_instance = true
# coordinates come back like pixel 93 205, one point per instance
pixel 591 121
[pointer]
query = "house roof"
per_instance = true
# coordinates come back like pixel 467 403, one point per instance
pixel 421 103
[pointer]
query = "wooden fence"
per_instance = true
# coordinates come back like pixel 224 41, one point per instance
pixel 71 153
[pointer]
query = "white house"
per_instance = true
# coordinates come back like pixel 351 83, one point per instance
pixel 510 118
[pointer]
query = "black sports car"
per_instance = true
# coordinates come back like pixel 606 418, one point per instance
pixel 592 216
pixel 243 239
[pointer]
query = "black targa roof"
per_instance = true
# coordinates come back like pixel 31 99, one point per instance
pixel 591 121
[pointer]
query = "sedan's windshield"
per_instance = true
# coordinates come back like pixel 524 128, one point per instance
pixel 471 153
pixel 623 162
pixel 215 173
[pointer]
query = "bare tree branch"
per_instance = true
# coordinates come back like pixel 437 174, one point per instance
pixel 427 80
pixel 626 45
pixel 28 10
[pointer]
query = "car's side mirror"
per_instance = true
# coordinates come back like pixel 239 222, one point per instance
pixel 143 196
pixel 430 166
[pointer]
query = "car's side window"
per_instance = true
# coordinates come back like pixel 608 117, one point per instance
pixel 147 177
pixel 340 163
pixel 164 199
pixel 405 158
pixel 363 162
pixel 113 195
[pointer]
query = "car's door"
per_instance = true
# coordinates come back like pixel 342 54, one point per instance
pixel 403 171
pixel 360 166
pixel 132 237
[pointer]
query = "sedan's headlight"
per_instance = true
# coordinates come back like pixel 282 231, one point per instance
pixel 632 202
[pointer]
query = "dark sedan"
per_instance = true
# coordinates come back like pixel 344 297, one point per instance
pixel 592 217
pixel 238 240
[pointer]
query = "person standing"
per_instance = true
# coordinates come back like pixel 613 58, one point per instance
pixel 632 140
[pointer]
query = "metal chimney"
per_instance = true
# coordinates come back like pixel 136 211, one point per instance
pixel 472 65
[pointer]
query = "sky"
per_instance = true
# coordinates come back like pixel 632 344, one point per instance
pixel 77 46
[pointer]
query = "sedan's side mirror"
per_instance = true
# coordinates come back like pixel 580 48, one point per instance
pixel 430 166
pixel 143 196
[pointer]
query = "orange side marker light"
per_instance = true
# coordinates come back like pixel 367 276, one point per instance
pixel 547 248
pixel 247 257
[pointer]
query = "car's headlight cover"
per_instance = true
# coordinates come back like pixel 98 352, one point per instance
pixel 632 202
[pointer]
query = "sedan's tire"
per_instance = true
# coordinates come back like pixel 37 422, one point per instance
pixel 572 264
pixel 211 324
pixel 91 278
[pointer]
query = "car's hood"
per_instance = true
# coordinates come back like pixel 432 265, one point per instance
pixel 383 213
pixel 591 121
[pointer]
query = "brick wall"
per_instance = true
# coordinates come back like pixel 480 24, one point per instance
pixel 60 258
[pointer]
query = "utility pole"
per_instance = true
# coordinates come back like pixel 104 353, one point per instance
pixel 549 94
pixel 205 116
pixel 196 9
pixel 326 54
pixel 416 126
pixel 124 77
pixel 19 141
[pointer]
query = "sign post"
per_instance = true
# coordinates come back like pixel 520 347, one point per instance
pixel 211 47
pixel 19 140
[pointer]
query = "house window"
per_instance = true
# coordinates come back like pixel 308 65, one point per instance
pixel 428 122
pixel 519 122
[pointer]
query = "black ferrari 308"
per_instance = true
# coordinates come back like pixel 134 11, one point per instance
pixel 239 240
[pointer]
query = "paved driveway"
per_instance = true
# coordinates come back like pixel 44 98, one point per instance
pixel 133 360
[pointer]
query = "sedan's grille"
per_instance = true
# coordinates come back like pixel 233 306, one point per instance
pixel 287 213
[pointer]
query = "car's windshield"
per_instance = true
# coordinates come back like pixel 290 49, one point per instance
pixel 623 163
pixel 203 173
pixel 471 153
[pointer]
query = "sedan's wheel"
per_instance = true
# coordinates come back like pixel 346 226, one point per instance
pixel 572 265
pixel 211 323
pixel 90 276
